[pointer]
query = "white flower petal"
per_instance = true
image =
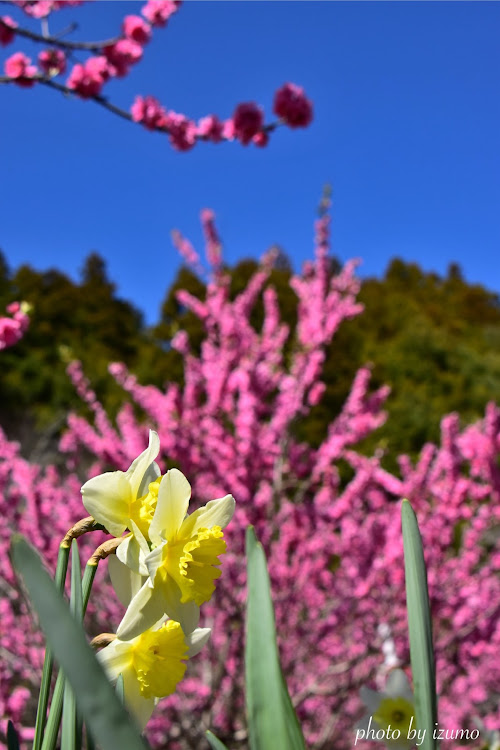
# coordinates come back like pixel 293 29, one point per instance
pixel 398 686
pixel 115 658
pixel 137 469
pixel 144 610
pixel 370 698
pixel 143 548
pixel 153 560
pixel 107 498
pixel 173 500
pixel 196 640
pixel 140 707
pixel 125 582
pixel 214 513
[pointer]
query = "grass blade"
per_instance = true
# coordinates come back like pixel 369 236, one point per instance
pixel 214 743
pixel 12 737
pixel 272 720
pixel 420 627
pixel 101 710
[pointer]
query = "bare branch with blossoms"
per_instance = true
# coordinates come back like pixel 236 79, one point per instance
pixel 115 57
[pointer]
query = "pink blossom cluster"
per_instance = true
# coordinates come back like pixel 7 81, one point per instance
pixel 13 328
pixel 116 57
pixel 328 517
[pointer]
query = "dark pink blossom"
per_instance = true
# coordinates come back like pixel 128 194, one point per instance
pixel 157 12
pixel 292 106
pixel 148 111
pixel 7 30
pixel 248 120
pixel 52 61
pixel 135 28
pixel 19 67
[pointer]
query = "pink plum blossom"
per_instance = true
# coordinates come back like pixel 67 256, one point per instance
pixel 19 67
pixel 157 12
pixel 182 131
pixel 122 55
pixel 248 120
pixel 211 128
pixel 148 111
pixel 292 106
pixel 136 29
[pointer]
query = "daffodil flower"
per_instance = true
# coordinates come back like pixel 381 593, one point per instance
pixel 182 564
pixel 152 664
pixel 391 711
pixel 121 500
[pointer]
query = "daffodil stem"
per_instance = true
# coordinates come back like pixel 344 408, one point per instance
pixel 88 580
pixel 43 699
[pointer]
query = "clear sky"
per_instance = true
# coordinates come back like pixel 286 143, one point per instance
pixel 406 129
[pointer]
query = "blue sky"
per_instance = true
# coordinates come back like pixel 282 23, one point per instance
pixel 406 129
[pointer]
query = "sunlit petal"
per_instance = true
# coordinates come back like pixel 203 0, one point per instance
pixel 196 640
pixel 107 498
pixel 171 509
pixel 144 610
pixel 214 513
pixel 135 473
pixel 125 582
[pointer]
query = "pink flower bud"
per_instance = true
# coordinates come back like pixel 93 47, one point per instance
pixel 261 139
pixel 136 29
pixel 292 106
pixel 52 61
pixel 18 66
pixel 7 33
pixel 248 120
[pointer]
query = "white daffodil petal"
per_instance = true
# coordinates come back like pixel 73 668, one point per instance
pixel 138 467
pixel 214 513
pixel 115 658
pixel 370 698
pixel 144 610
pixel 153 560
pixel 139 537
pixel 188 614
pixel 173 500
pixel 140 707
pixel 152 473
pixel 397 685
pixel 196 640
pixel 125 582
pixel 107 498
